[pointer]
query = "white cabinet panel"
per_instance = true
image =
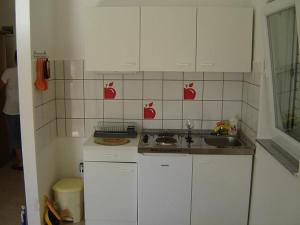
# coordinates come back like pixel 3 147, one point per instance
pixel 164 186
pixel 224 39
pixel 112 39
pixel 110 192
pixel 168 38
pixel 221 189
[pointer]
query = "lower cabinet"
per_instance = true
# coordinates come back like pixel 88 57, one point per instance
pixel 221 189
pixel 164 186
pixel 110 191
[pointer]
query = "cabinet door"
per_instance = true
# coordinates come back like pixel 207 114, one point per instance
pixel 110 193
pixel 112 39
pixel 164 186
pixel 221 189
pixel 224 39
pixel 168 38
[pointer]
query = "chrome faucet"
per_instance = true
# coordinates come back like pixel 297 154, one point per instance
pixel 189 124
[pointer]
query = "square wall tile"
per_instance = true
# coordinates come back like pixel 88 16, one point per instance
pixel 233 90
pixel 152 89
pixel 172 90
pixel 192 110
pixel 74 109
pixel 113 109
pixel 153 75
pixel 152 124
pixel 49 111
pixel 172 110
pixel 73 69
pixel 61 127
pixel 209 124
pixel 133 89
pixel 38 117
pixel 37 97
pixel 52 70
pixel 172 124
pixel 53 130
pixel 152 109
pixel 133 109
pixel 113 76
pixel 75 127
pixel 93 89
pixel 253 95
pixel 60 109
pixel 213 76
pixel 232 109
pixel 134 76
pixel 193 90
pixel 173 76
pixel 74 89
pixel 193 76
pixel 89 126
pixel 245 92
pixel 213 90
pixel 93 109
pixel 59 69
pixel 49 94
pixel 91 75
pixel 113 89
pixel 234 76
pixel 212 110
pixel 60 89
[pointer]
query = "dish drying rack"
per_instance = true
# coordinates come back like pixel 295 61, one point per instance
pixel 116 129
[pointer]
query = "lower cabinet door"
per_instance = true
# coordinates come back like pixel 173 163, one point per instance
pixel 110 192
pixel 221 189
pixel 164 189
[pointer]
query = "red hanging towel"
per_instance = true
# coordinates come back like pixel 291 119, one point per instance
pixel 40 83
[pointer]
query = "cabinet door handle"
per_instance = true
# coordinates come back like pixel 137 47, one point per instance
pixel 109 155
pixel 183 64
pixel 206 64
pixel 128 64
pixel 164 165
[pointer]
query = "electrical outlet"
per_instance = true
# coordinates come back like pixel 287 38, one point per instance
pixel 81 167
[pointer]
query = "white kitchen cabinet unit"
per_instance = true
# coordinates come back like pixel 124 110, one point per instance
pixel 110 193
pixel 224 39
pixel 168 39
pixel 221 189
pixel 112 38
pixel 164 189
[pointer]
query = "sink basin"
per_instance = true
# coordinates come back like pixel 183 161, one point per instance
pixel 223 141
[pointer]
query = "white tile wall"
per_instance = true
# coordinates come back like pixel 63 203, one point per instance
pixel 79 98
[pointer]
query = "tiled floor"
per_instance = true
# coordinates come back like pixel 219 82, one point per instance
pixel 12 195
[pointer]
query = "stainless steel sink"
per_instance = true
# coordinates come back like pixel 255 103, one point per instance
pixel 222 141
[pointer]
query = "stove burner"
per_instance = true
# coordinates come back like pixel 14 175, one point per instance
pixel 166 140
pixel 166 134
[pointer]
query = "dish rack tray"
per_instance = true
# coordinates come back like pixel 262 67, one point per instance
pixel 116 129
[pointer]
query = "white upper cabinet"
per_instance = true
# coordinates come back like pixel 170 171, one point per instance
pixel 168 39
pixel 112 39
pixel 224 39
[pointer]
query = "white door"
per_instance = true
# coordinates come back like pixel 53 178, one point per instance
pixel 224 39
pixel 221 189
pixel 164 189
pixel 168 38
pixel 112 39
pixel 110 193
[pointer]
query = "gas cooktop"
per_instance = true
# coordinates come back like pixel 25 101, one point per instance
pixel 165 141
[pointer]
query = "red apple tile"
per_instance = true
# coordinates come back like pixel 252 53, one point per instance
pixel 149 111
pixel 189 91
pixel 109 91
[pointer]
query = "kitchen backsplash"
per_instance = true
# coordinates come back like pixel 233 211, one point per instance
pixel 152 99
pixel 251 92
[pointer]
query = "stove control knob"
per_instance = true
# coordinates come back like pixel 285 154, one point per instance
pixel 145 138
